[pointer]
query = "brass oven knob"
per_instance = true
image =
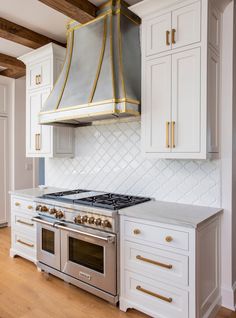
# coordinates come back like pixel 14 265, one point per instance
pixel 106 223
pixel 78 219
pixel 59 214
pixel 91 220
pixel 44 208
pixel 53 211
pixel 98 221
pixel 38 207
pixel 84 219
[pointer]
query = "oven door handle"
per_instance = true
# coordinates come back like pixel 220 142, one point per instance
pixel 108 239
pixel 40 220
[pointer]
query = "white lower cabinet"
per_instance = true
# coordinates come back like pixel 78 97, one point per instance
pixel 23 230
pixel 170 271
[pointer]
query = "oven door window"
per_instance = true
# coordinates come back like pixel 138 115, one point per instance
pixel 86 254
pixel 48 240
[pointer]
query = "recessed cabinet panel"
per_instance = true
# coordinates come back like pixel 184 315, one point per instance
pixel 186 101
pixel 157 105
pixel 213 102
pixel 214 27
pixel 39 74
pixel 32 126
pixel 46 131
pixel 186 25
pixel 158 34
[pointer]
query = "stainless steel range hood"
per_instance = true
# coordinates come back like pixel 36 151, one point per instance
pixel 101 76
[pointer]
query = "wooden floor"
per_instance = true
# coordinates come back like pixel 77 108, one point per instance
pixel 27 293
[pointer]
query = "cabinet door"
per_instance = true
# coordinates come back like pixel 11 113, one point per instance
pixel 158 34
pixel 156 112
pixel 45 138
pixel 186 101
pixel 3 170
pixel 39 74
pixel 38 138
pixel 32 126
pixel 186 25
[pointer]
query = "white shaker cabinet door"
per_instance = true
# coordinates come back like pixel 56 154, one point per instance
pixel 3 169
pixel 45 138
pixel 156 114
pixel 158 34
pixel 186 101
pixel 186 25
pixel 32 126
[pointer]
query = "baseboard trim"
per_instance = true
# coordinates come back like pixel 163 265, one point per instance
pixel 213 310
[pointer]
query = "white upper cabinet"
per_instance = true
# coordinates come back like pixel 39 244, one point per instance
pixel 186 25
pixel 42 70
pixel 158 34
pixel 174 29
pixel 180 78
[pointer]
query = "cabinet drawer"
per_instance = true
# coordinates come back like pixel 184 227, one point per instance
pixel 22 222
pixel 23 205
pixel 156 263
pixel 144 233
pixel 155 298
pixel 39 74
pixel 24 243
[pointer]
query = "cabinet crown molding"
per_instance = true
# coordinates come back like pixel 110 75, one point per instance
pixel 50 49
pixel 146 7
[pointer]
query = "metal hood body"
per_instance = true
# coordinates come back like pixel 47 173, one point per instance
pixel 101 76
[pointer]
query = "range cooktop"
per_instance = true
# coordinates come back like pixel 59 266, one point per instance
pixel 111 201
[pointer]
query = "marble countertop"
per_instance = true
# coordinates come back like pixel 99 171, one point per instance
pixel 172 213
pixel 35 192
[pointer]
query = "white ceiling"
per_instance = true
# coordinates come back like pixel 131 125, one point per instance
pixel 38 17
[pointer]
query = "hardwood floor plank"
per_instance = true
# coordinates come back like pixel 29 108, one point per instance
pixel 27 293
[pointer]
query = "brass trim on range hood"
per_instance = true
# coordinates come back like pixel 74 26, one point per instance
pixel 110 75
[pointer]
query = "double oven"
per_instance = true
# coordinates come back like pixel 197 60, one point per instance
pixel 83 256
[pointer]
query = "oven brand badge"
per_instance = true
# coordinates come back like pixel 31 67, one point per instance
pixel 84 275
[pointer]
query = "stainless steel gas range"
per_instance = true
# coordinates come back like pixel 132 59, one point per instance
pixel 78 238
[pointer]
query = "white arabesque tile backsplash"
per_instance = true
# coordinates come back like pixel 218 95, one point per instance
pixel 108 158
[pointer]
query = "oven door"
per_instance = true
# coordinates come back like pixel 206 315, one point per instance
pixel 90 256
pixel 48 242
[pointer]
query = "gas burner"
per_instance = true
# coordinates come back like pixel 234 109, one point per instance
pixel 112 201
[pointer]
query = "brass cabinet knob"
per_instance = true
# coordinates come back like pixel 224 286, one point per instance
pixel 169 239
pixel 17 204
pixel 136 231
pixel 30 207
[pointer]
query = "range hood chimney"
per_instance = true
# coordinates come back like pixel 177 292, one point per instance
pixel 101 76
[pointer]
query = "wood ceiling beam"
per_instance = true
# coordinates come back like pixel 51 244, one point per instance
pixel 13 73
pixel 21 35
pixel 80 10
pixel 15 68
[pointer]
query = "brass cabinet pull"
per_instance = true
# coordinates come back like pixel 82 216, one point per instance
pixel 30 207
pixel 173 31
pixel 167 134
pixel 169 239
pixel 25 223
pixel 168 38
pixel 17 204
pixel 39 141
pixel 167 299
pixel 168 266
pixel 136 231
pixel 24 243
pixel 173 134
pixel 39 79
